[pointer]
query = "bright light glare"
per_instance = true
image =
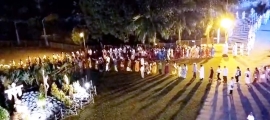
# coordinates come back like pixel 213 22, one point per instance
pixel 81 34
pixel 226 23
pixel 87 85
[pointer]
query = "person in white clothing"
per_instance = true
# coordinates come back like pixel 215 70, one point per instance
pixel 184 71
pixel 107 67
pixel 201 71
pixel 247 77
pixel 231 86
pixel 179 71
pixel 225 74
pixel 142 71
pixel 250 117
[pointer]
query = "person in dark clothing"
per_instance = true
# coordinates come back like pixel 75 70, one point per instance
pixel 211 74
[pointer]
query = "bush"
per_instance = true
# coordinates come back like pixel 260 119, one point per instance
pixel 4 115
pixel 60 95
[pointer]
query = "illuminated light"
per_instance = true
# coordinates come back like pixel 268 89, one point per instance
pixel 87 85
pixel 226 23
pixel 81 34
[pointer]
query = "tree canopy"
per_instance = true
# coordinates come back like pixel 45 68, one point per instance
pixel 147 19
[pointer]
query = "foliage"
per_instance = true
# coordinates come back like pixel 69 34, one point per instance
pixel 147 19
pixel 75 35
pixel 60 95
pixel 65 88
pixel 104 17
pixel 4 115
pixel 5 81
pixel 27 79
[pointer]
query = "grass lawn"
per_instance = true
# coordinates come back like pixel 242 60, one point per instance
pixel 125 96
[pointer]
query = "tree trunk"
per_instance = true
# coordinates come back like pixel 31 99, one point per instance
pixel 143 40
pixel 179 36
pixel 17 33
pixel 154 39
pixel 208 38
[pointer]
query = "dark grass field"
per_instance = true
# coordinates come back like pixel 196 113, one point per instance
pixel 125 96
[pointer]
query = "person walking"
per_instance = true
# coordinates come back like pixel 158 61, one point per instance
pixel 218 73
pixel 237 74
pixel 211 74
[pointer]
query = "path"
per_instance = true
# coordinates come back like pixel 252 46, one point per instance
pixel 218 106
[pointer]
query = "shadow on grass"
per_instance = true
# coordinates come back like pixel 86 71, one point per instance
pixel 178 94
pixel 245 102
pixel 264 93
pixel 159 81
pixel 225 104
pixel 265 85
pixel 264 112
pixel 215 100
pixel 185 101
pixel 161 92
pixel 124 86
pixel 112 96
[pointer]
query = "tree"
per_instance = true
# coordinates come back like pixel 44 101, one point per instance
pixel 75 35
pixel 4 115
pixel 213 10
pixel 105 17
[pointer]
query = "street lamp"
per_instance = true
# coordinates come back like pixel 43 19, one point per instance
pixel 227 25
pixel 82 36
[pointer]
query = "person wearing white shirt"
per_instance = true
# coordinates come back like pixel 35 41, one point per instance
pixel 231 86
pixel 225 74
pixel 247 77
pixel 142 61
pixel 218 73
pixel 250 117
pixel 201 71
pixel 142 71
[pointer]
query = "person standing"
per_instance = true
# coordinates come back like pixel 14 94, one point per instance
pixel 201 71
pixel 160 67
pixel 231 86
pixel 194 70
pixel 237 74
pixel 225 74
pixel 179 71
pixel 167 67
pixel 142 71
pixel 250 116
pixel 211 74
pixel 218 73
pixel 247 77
pixel 184 71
